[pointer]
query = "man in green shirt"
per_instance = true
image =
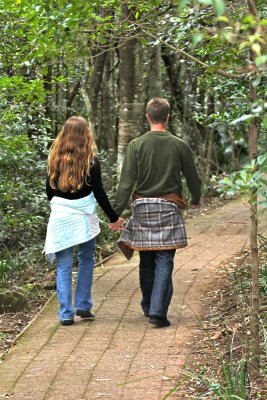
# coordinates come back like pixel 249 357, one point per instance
pixel 153 167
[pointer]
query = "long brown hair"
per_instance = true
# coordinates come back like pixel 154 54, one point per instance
pixel 71 155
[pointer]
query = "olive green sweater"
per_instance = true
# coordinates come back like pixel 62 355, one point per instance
pixel 155 163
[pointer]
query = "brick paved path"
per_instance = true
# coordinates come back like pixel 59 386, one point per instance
pixel 120 356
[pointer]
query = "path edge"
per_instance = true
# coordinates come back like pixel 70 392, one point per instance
pixel 48 301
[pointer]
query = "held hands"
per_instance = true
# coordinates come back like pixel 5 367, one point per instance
pixel 117 226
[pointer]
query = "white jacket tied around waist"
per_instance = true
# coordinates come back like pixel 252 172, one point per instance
pixel 71 222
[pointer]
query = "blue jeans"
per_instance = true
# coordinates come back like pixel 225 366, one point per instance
pixel 156 268
pixel 83 298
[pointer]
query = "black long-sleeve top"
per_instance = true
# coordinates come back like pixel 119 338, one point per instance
pixel 94 185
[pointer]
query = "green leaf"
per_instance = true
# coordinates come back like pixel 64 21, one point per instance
pixel 222 18
pixel 218 6
pixel 262 59
pixel 248 19
pixel 262 159
pixel 182 4
pixel 256 81
pixel 197 37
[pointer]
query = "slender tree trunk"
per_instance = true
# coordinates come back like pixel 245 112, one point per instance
pixel 57 90
pixel 70 96
pixel 173 69
pixel 255 290
pixel 48 85
pixel 131 114
pixel 108 121
pixel 154 78
pixel 209 156
pixel 255 287
pixel 235 153
pixel 184 90
pixel 95 93
pixel 188 84
pixel 201 95
pixel 84 93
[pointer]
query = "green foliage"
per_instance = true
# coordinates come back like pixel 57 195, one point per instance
pixel 235 381
pixel 9 265
pixel 43 48
pixel 232 382
pixel 250 178
pixel 218 5
pixel 22 197
pixel 241 279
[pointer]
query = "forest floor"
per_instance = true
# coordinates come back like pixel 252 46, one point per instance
pixel 119 355
pixel 218 355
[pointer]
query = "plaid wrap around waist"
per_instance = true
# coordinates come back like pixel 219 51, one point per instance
pixel 155 224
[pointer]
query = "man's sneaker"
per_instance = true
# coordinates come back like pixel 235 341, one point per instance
pixel 67 322
pixel 85 314
pixel 160 322
pixel 146 314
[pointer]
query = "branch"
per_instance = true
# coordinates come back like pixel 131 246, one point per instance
pixel 73 93
pixel 228 75
pixel 252 8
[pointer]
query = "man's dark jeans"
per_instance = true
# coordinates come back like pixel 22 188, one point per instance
pixel 156 268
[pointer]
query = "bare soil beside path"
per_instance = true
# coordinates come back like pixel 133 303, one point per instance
pixel 120 355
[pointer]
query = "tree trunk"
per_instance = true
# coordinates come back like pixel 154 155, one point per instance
pixel 108 121
pixel 154 78
pixel 48 85
pixel 189 86
pixel 94 93
pixel 209 151
pixel 57 99
pixel 131 114
pixel 184 90
pixel 255 287
pixel 84 93
pixel 173 69
pixel 70 96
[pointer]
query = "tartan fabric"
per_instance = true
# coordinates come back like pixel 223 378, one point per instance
pixel 155 224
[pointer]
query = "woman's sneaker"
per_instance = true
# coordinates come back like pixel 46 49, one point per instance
pixel 67 321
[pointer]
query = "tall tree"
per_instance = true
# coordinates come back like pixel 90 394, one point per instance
pixel 154 76
pixel 255 288
pixel 131 114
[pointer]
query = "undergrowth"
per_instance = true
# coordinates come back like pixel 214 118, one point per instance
pixel 219 366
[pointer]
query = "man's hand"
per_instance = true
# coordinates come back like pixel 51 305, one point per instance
pixel 117 226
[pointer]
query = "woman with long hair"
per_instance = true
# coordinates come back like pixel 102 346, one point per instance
pixel 73 187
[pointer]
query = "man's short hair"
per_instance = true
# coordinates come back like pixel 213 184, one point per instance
pixel 158 110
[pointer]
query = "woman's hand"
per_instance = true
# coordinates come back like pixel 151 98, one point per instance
pixel 117 226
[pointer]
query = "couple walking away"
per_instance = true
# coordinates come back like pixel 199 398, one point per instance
pixel 151 173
